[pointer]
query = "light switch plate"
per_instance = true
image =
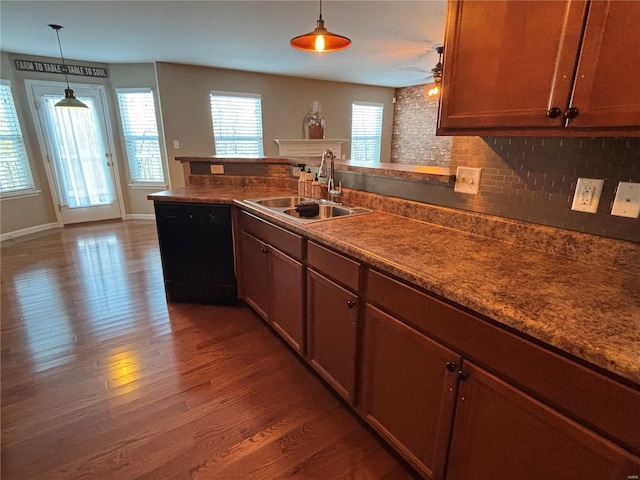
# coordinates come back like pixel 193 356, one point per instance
pixel 627 201
pixel 467 180
pixel 217 169
pixel 587 195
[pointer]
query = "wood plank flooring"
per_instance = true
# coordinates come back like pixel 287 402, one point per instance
pixel 102 380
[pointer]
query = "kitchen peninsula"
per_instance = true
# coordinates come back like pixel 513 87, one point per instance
pixel 549 314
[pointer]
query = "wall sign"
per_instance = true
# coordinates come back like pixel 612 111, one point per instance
pixel 45 67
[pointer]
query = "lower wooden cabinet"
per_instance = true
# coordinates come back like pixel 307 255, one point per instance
pixel 457 397
pixel 469 424
pixel 503 434
pixel 255 274
pixel 272 283
pixel 332 313
pixel 286 314
pixel 408 395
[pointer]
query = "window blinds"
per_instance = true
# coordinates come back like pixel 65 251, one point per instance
pixel 237 123
pixel 15 171
pixel 366 132
pixel 138 117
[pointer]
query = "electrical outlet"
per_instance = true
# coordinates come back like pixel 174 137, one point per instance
pixel 467 180
pixel 176 144
pixel 627 201
pixel 587 195
pixel 217 169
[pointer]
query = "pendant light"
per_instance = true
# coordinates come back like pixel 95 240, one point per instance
pixel 70 100
pixel 320 40
pixel 436 72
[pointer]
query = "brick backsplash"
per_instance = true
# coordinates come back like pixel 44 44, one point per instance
pixel 414 138
pixel 525 178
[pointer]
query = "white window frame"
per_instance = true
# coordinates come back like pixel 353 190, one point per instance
pixel 251 131
pixel 149 135
pixel 371 141
pixel 28 188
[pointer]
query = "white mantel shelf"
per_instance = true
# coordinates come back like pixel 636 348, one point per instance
pixel 298 147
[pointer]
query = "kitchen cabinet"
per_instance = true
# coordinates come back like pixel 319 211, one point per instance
pixel 255 274
pixel 332 316
pixel 196 248
pixel 541 68
pixel 419 348
pixel 501 433
pixel 272 281
pixel 458 395
pixel 409 385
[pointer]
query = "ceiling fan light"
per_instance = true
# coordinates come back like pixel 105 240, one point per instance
pixel 437 70
pixel 70 100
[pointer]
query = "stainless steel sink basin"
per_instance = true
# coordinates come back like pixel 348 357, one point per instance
pixel 285 206
pixel 325 211
pixel 280 202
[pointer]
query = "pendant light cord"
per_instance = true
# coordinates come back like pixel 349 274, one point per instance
pixel 320 9
pixel 64 64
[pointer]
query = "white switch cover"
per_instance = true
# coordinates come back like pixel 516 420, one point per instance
pixel 176 144
pixel 467 180
pixel 217 169
pixel 627 201
pixel 587 195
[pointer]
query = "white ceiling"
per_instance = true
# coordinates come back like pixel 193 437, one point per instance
pixel 393 41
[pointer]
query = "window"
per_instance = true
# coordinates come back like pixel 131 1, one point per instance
pixel 138 117
pixel 15 171
pixel 366 132
pixel 237 123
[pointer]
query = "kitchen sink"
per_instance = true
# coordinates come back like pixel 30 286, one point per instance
pixel 280 202
pixel 286 206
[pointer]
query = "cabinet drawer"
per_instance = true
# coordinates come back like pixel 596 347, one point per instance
pixel 538 370
pixel 280 238
pixel 334 265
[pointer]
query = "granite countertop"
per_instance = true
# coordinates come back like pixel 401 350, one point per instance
pixel 590 311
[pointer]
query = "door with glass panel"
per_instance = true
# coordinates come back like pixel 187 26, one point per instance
pixel 77 145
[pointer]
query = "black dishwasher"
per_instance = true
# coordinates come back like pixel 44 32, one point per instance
pixel 196 247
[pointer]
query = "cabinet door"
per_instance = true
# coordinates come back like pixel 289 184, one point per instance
pixel 409 390
pixel 607 86
pixel 331 325
pixel 287 282
pixel 502 434
pixel 505 60
pixel 255 273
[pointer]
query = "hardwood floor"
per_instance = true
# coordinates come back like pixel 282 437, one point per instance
pixel 102 380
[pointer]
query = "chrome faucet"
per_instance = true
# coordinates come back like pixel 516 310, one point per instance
pixel 322 172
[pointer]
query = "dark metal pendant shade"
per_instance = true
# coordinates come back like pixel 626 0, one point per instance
pixel 70 100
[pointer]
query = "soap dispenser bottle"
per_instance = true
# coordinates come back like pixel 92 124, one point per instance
pixel 316 191
pixel 302 184
pixel 308 183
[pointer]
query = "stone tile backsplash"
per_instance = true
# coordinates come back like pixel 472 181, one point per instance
pixel 532 179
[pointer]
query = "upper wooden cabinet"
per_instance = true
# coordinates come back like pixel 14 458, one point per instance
pixel 541 68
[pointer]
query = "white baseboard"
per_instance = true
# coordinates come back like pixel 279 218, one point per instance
pixel 28 231
pixel 140 216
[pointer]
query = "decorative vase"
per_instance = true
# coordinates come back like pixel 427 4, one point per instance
pixel 315 131
pixel 314 122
